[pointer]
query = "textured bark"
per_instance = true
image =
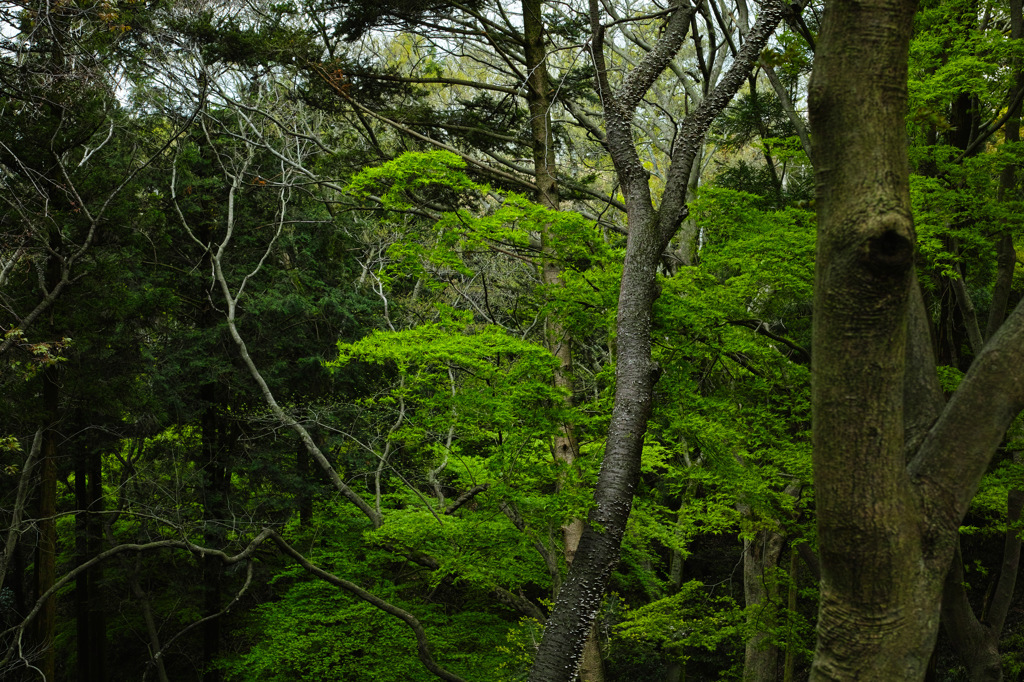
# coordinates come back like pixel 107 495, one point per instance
pixel 650 231
pixel 886 529
pixel 760 559
pixel 874 596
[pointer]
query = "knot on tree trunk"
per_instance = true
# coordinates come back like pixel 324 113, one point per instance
pixel 889 253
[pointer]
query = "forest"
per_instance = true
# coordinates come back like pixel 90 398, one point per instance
pixel 487 341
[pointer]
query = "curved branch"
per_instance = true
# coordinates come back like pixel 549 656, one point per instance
pixel 691 135
pixel 238 595
pixel 422 643
pixel 24 486
pixel 227 559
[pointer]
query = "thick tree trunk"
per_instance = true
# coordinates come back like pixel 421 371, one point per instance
pixel 879 607
pixel 886 529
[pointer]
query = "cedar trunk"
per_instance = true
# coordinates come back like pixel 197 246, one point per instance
pixel 559 341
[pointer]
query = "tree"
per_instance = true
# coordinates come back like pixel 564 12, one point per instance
pixel 889 497
pixel 650 231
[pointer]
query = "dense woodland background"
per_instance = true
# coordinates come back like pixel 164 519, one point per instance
pixel 309 334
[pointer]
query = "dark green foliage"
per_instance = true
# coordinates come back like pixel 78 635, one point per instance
pixel 361 16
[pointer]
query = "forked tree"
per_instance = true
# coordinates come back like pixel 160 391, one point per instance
pixel 895 470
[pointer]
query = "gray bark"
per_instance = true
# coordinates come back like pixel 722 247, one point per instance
pixel 650 230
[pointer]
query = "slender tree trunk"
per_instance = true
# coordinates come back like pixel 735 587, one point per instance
pixel 789 665
pixel 46 550
pixel 559 340
pixel 760 586
pixel 650 232
pixel 89 612
pixel 1005 253
pixel 215 490
pixel 305 500
pixel 975 642
pixel 94 539
pixel 147 617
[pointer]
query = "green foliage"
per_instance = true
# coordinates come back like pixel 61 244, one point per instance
pixel 455 374
pixel 424 283
pixel 317 633
pixel 314 631
pixel 693 618
pixel 951 56
pixel 413 172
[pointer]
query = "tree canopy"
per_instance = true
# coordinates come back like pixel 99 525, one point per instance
pixel 492 341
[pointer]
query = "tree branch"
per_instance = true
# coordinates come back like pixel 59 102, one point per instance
pixel 422 643
pixel 958 448
pixel 673 209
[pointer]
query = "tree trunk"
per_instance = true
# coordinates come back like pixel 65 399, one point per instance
pixel 886 529
pixel 650 231
pixel 216 483
pixel 760 587
pixel 153 633
pixel 558 339
pixel 789 665
pixel 90 619
pixel 305 500
pixel 46 550
pixel 879 609
pixel 975 642
pixel 1006 255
